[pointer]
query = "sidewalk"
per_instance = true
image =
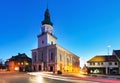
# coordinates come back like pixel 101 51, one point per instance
pixel 95 78
pixel 105 76
pixel 11 72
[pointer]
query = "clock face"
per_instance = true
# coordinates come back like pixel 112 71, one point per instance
pixel 51 30
pixel 47 28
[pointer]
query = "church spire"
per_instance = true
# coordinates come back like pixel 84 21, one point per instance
pixel 47 18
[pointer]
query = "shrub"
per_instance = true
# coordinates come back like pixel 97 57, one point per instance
pixel 59 72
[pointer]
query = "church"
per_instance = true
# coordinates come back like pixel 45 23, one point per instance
pixel 49 56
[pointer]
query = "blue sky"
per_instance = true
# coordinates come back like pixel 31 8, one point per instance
pixel 84 27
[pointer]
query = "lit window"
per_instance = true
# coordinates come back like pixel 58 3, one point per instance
pixel 21 63
pixel 26 63
pixel 18 63
pixel 16 68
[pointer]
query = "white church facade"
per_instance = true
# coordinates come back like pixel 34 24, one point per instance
pixel 49 56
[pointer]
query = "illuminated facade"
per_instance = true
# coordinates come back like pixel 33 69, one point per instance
pixel 19 63
pixel 105 64
pixel 49 56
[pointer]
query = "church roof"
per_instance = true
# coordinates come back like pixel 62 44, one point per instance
pixel 47 18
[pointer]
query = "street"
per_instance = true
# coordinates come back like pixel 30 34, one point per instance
pixel 26 78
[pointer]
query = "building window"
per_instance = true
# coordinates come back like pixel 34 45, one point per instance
pixel 18 63
pixel 26 63
pixel 51 42
pixel 90 63
pixel 39 67
pixel 101 63
pixel 21 63
pixel 93 63
pixel 51 56
pixel 34 56
pixel 98 63
pixel 42 42
pixel 60 57
pixel 67 61
pixel 110 63
pixel 42 57
pixel 115 63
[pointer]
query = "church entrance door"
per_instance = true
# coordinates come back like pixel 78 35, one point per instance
pixel 51 68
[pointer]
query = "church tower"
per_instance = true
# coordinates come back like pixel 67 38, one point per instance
pixel 46 38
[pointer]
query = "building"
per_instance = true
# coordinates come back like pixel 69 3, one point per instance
pixel 105 64
pixel 49 56
pixel 20 62
pixel 117 54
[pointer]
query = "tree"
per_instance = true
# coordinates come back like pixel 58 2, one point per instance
pixel 1 63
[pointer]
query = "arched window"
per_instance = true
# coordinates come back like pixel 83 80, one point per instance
pixel 67 61
pixel 42 42
pixel 60 57
pixel 51 56
pixel 42 56
pixel 34 56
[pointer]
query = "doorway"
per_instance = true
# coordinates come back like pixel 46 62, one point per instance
pixel 51 68
pixel 39 67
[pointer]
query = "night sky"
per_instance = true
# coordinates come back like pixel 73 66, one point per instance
pixel 85 27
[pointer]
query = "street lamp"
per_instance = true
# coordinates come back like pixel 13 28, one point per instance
pixel 108 48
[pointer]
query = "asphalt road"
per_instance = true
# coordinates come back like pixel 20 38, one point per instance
pixel 25 78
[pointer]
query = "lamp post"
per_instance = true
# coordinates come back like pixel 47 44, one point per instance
pixel 108 48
